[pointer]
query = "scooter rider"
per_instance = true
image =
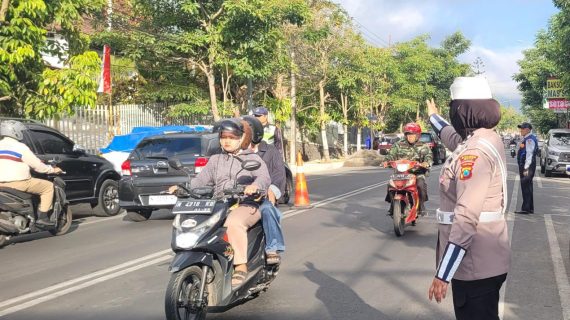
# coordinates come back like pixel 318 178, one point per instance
pixel 412 149
pixel 16 159
pixel 222 172
pixel 270 214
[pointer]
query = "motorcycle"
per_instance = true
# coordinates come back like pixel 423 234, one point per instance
pixel 513 151
pixel 202 268
pixel 18 212
pixel 404 195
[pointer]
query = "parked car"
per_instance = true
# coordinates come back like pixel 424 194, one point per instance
pixel 436 146
pixel 146 173
pixel 555 153
pixel 385 143
pixel 89 178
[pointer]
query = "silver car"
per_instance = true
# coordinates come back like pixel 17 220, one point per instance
pixel 555 153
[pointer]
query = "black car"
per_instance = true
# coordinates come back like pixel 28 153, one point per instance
pixel 147 174
pixel 436 146
pixel 89 178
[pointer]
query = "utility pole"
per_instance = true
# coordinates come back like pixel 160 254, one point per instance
pixel 249 95
pixel 293 135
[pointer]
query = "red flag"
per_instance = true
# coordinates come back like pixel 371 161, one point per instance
pixel 105 81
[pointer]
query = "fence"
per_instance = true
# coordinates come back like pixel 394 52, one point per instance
pixel 94 128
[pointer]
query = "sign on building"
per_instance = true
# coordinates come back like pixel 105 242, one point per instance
pixel 554 94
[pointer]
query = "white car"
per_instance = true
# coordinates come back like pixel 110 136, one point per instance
pixel 555 153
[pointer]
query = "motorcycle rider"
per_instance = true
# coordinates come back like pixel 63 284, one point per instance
pixel 270 214
pixel 414 150
pixel 222 172
pixel 272 134
pixel 16 160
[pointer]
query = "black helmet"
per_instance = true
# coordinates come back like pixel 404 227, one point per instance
pixel 229 125
pixel 256 128
pixel 12 129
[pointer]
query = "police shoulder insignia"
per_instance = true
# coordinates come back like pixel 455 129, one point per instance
pixel 467 162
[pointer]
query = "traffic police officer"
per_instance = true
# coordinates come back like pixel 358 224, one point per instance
pixel 526 159
pixel 473 251
pixel 271 134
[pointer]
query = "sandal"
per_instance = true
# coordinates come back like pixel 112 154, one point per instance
pixel 273 258
pixel 238 278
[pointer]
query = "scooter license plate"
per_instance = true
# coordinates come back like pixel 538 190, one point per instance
pixel 399 176
pixel 191 206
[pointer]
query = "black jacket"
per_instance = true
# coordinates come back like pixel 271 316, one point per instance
pixel 275 165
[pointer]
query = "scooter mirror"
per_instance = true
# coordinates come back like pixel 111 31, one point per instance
pixel 175 163
pixel 250 165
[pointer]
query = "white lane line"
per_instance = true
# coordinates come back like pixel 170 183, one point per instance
pixel 510 225
pixel 559 268
pixel 90 283
pixel 68 283
pixel 102 220
pixel 292 213
pixel 51 292
pixel 539 181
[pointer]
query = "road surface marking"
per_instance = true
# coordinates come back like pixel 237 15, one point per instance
pixel 122 215
pixel 83 285
pixel 510 225
pixel 43 295
pixel 559 268
pixel 539 181
pixel 117 268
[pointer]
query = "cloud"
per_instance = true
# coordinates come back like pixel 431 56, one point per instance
pixel 499 66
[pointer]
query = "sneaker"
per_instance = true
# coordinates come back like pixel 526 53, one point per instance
pixel 43 220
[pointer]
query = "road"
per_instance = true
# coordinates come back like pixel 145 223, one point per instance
pixel 343 261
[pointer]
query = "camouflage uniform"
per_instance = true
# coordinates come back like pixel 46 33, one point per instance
pixel 418 151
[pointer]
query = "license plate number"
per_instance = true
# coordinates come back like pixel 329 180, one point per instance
pixel 192 206
pixel 162 200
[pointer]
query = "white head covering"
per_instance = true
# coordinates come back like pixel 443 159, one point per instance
pixel 465 88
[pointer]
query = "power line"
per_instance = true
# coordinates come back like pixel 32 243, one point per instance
pixel 372 33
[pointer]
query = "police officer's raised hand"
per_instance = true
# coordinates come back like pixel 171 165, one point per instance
pixel 432 108
pixel 438 290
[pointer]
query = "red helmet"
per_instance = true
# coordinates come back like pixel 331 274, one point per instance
pixel 412 127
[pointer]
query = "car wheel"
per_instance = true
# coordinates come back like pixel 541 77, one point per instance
pixel 139 216
pixel 547 173
pixel 542 168
pixel 288 190
pixel 108 199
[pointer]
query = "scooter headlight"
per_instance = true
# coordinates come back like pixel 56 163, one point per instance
pixel 402 167
pixel 188 233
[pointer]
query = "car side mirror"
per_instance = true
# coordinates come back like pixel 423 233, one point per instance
pixel 176 164
pixel 250 165
pixel 79 149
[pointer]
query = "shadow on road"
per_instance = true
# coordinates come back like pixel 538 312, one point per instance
pixel 339 299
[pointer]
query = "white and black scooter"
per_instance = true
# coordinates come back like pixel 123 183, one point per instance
pixel 202 268
pixel 18 212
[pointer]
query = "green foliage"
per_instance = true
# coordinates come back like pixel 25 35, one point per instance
pixel 542 119
pixel 27 86
pixel 510 119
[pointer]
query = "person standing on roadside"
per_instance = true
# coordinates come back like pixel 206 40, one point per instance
pixel 526 159
pixel 271 133
pixel 473 251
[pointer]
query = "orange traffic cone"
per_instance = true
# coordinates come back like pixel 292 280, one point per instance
pixel 301 191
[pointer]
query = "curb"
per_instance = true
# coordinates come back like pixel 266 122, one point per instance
pixel 319 167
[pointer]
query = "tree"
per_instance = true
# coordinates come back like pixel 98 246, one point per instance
pixel 217 38
pixel 27 86
pixel 510 119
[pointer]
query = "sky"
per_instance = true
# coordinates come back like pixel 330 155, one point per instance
pixel 499 30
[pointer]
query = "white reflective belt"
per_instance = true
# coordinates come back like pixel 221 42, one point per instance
pixel 503 171
pixel 445 217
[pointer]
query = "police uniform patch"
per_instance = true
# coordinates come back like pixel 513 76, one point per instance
pixel 467 162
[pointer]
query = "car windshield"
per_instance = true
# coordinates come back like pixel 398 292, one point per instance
pixel 169 147
pixel 426 137
pixel 560 139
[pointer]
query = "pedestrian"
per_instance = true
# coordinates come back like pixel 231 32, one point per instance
pixel 526 159
pixel 473 251
pixel 271 133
